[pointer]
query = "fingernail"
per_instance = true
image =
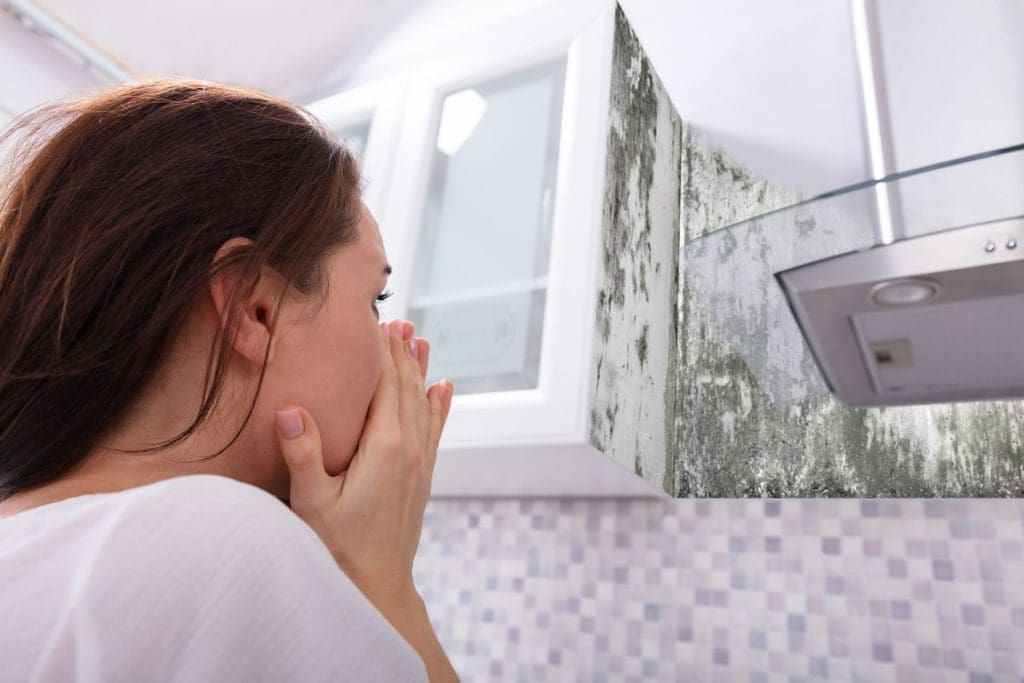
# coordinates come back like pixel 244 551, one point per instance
pixel 446 389
pixel 414 348
pixel 290 423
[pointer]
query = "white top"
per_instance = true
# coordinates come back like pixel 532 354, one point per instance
pixel 194 578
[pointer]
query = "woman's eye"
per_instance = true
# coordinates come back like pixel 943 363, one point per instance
pixel 382 297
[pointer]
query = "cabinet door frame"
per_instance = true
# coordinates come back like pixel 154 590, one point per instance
pixel 381 102
pixel 557 411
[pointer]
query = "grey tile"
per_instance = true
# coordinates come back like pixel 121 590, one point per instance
pixel 835 585
pixel 819 666
pixel 757 640
pixel 897 567
pixel 899 609
pixel 869 508
pixel 942 570
pixel 973 614
pixel 935 509
pixel 928 655
pixel 881 652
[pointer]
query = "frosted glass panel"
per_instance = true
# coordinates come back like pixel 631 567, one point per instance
pixel 487 343
pixel 355 137
pixel 480 275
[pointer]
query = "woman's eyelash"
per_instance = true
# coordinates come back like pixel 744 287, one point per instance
pixel 386 294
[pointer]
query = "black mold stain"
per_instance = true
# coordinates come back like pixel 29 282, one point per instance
pixel 641 345
pixel 637 464
pixel 642 280
pixel 596 424
pixel 610 412
pixel 806 225
pixel 632 148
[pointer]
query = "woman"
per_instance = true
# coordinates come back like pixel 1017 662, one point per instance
pixel 201 418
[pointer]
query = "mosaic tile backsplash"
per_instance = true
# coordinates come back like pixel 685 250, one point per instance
pixel 727 589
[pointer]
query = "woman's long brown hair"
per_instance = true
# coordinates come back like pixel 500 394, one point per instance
pixel 112 209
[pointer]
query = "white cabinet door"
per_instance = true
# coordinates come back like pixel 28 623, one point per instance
pixel 368 119
pixel 495 224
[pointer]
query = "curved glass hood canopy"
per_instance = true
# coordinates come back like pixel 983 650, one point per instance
pixel 905 290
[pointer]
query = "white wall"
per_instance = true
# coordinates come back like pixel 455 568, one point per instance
pixel 954 79
pixel 954 75
pixel 775 84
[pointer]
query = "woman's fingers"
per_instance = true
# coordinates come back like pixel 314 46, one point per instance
pixel 423 356
pixel 299 440
pixel 383 413
pixel 408 366
pixel 414 408
pixel 447 404
pixel 440 397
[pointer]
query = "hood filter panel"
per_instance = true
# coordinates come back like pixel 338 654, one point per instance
pixel 932 319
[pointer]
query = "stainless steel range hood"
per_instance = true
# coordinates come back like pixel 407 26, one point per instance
pixel 817 298
pixel 930 319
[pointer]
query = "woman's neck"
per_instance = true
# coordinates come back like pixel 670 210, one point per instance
pixel 101 476
pixel 42 495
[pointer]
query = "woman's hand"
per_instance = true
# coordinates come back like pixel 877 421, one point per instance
pixel 371 515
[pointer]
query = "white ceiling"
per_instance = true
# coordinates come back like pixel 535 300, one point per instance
pixel 287 49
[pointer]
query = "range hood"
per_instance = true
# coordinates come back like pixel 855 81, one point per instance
pixel 899 291
pixel 931 319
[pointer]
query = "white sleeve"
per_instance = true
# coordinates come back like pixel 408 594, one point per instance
pixel 227 584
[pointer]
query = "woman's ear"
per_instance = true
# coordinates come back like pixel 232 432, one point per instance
pixel 253 322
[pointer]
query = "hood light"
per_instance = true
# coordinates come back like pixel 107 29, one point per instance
pixel 903 292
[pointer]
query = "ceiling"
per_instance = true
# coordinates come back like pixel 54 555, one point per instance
pixel 288 49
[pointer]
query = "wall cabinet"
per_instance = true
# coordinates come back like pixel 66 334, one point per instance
pixel 510 229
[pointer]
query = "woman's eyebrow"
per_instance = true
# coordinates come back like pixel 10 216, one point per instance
pixel 387 269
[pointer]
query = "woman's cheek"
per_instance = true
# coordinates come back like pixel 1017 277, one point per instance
pixel 376 364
